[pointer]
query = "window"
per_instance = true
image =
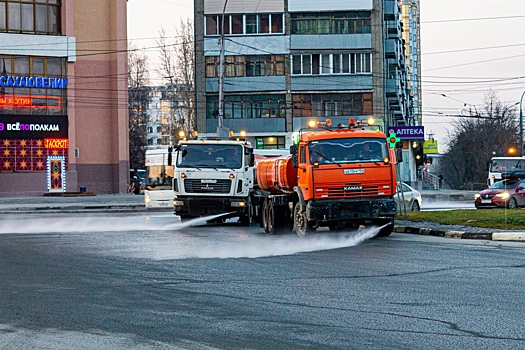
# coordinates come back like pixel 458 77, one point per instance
pixel 245 24
pixel 344 63
pixel 30 16
pixel 246 66
pixel 271 142
pixel 302 64
pixel 331 105
pixel 247 107
pixel 38 99
pixel 351 22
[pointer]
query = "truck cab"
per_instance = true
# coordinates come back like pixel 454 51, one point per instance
pixel 212 177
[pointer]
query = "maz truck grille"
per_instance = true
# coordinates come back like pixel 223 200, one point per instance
pixel 196 186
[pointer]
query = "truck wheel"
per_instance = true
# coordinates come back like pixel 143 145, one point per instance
pixel 246 218
pixel 264 216
pixel 300 224
pixel 276 220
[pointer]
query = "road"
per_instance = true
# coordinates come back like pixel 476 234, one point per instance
pixel 144 281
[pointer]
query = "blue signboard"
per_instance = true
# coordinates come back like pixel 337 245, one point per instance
pixel 409 132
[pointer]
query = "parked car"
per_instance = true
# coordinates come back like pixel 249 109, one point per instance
pixel 508 193
pixel 408 197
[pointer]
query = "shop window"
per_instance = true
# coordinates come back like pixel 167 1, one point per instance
pixel 270 142
pixel 38 99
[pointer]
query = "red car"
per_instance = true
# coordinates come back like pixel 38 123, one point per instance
pixel 509 193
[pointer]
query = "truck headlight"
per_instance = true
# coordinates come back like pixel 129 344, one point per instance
pixel 178 203
pixel 238 204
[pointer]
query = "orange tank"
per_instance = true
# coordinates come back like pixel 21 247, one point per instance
pixel 276 174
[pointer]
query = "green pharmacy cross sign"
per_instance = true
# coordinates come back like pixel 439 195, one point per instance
pixel 393 139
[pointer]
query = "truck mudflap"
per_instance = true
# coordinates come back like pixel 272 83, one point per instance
pixel 195 206
pixel 350 210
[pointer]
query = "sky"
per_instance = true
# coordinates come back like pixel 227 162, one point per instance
pixel 468 48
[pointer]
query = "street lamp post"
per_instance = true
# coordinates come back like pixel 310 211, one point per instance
pixel 521 124
pixel 222 132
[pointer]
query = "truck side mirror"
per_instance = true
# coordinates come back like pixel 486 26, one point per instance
pixel 293 150
pixel 251 157
pixel 295 161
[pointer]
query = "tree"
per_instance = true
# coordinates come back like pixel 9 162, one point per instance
pixel 477 137
pixel 138 80
pixel 177 61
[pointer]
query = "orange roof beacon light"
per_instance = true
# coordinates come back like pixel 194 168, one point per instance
pixel 243 133
pixel 182 135
pixel 231 133
pixel 328 123
pixel 195 133
pixel 351 122
pixel 371 121
pixel 312 124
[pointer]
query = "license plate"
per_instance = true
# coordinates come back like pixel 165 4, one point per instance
pixel 163 204
pixel 486 201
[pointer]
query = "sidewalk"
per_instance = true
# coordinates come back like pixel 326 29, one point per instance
pixel 49 204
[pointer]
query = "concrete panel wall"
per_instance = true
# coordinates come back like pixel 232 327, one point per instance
pixel 332 83
pixel 253 125
pixel 328 5
pixel 248 45
pixel 329 41
pixel 248 84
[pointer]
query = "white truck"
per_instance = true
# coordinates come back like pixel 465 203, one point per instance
pixel 212 177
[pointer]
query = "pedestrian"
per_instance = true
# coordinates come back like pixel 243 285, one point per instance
pixel 440 177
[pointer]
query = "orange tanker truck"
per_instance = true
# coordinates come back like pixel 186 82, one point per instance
pixel 336 177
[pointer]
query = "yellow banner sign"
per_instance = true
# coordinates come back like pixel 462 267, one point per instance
pixel 430 147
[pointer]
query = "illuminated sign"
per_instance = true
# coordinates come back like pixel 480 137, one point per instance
pixel 18 101
pixel 409 132
pixel 56 174
pixel 33 126
pixel 430 147
pixel 33 82
pixel 56 143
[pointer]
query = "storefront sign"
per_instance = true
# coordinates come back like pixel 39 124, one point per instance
pixel 409 132
pixel 20 101
pixel 33 82
pixel 430 147
pixel 56 143
pixel 33 126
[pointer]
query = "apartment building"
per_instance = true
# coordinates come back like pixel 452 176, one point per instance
pixel 288 61
pixel 63 96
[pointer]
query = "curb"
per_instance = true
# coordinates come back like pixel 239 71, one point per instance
pixel 492 236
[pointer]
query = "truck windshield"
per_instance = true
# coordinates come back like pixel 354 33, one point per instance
pixel 350 150
pixel 210 156
pixel 506 165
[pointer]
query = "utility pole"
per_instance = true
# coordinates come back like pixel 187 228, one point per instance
pixel 521 124
pixel 222 132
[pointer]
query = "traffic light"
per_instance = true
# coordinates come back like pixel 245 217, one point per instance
pixel 393 139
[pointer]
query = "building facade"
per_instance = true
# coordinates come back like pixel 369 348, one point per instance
pixel 288 61
pixel 63 96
